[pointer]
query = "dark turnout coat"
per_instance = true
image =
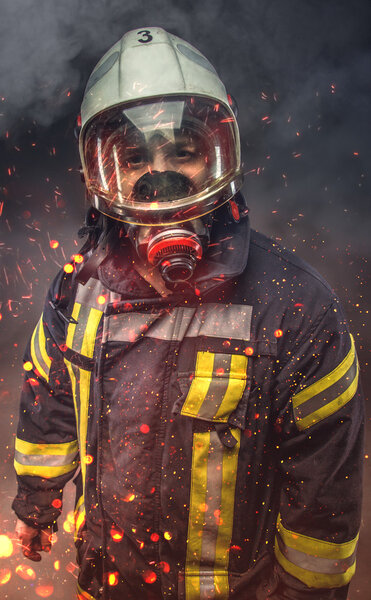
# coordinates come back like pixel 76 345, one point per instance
pixel 215 434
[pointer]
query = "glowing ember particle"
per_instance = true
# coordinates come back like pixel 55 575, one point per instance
pixel 155 537
pixel 57 503
pixel 226 343
pixel 69 523
pixel 57 565
pixel 1 316
pixel 220 371
pixel 101 299
pixel 129 498
pixel 113 578
pixel 144 428
pixel 25 572
pixel 278 333
pixel 5 575
pixel 6 546
pixel 28 366
pixel 167 535
pixel 197 292
pixel 164 566
pixel 249 351
pixel 44 590
pixel 203 507
pixel 88 459
pixel 78 258
pixel 116 534
pixel 54 244
pixel 68 268
pixel 149 576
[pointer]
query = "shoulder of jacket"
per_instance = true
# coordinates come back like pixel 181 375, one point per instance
pixel 277 259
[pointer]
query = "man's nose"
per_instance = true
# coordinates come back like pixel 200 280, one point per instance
pixel 158 162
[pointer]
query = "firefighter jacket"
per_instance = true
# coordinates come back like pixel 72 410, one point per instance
pixel 215 434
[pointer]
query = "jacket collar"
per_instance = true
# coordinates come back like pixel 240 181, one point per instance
pixel 225 259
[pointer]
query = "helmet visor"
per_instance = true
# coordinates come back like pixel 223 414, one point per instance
pixel 161 161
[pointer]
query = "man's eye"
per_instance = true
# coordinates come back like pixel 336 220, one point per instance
pixel 184 153
pixel 135 160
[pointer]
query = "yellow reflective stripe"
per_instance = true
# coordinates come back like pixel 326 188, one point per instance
pixel 236 386
pixel 211 515
pixel 35 360
pixel 82 595
pixel 201 445
pixel 72 326
pixel 46 472
pixel 84 407
pixel 331 407
pixel 314 546
pixel 312 579
pixel 328 380
pixel 42 344
pixel 200 384
pixel 50 449
pixel 87 348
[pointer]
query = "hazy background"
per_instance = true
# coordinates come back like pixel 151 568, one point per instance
pixel 300 71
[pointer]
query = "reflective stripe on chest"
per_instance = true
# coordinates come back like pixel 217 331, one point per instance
pixel 211 513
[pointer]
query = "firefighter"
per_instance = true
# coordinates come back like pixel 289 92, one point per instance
pixel 198 380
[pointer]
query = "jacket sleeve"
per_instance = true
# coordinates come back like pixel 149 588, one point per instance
pixel 321 453
pixel 46 448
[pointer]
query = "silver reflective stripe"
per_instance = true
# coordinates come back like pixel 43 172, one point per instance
pixel 45 460
pixel 89 293
pixel 80 328
pixel 212 511
pixel 211 320
pixel 218 320
pixel 316 564
pixel 218 386
pixel 128 327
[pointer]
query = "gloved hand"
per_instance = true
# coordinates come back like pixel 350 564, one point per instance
pixel 33 539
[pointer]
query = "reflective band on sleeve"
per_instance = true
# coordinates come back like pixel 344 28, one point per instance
pixel 45 460
pixel 329 394
pixel 217 387
pixel 315 562
pixel 39 355
pixel 213 480
pixel 61 449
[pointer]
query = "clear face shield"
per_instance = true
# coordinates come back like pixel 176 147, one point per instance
pixel 160 163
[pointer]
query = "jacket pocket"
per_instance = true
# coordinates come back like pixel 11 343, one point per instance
pixel 218 387
pixel 215 389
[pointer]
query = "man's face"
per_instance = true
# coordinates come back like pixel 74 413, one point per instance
pixel 180 152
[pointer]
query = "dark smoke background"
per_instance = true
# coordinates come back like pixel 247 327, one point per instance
pixel 300 71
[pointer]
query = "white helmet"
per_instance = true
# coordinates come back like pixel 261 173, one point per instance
pixel 159 142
